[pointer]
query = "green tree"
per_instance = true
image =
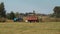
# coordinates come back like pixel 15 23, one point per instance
pixel 17 14
pixel 2 10
pixel 57 11
pixel 12 15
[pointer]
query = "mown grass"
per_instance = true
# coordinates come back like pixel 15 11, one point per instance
pixel 30 28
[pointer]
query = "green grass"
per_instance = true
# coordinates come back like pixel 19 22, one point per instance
pixel 30 28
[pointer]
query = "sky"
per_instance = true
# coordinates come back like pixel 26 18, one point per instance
pixel 23 6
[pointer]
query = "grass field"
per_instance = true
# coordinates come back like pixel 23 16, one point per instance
pixel 30 28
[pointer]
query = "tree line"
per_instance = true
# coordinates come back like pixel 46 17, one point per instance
pixel 12 15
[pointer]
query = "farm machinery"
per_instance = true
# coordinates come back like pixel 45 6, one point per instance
pixel 32 18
